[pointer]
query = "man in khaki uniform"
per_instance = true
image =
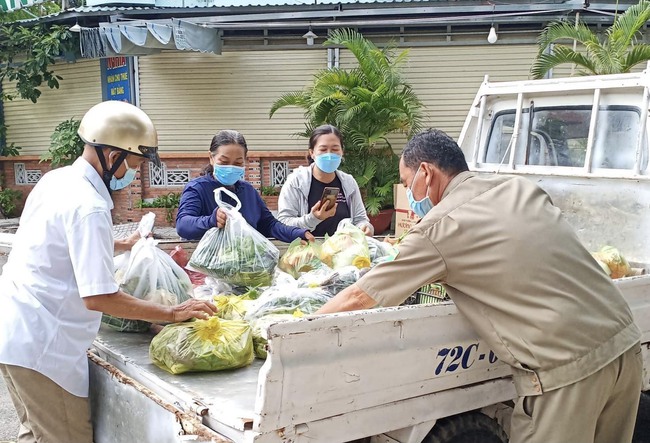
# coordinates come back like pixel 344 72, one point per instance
pixel 517 270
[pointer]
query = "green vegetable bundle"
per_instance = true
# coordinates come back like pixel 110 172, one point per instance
pixel 261 324
pixel 237 254
pixel 232 307
pixel 286 300
pixel 149 274
pixel 203 345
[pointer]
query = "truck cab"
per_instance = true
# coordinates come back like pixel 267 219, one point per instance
pixel 584 140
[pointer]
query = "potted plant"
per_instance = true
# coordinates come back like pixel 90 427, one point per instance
pixel 270 196
pixel 367 103
pixel 164 206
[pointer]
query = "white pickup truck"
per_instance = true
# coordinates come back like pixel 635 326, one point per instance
pixel 414 373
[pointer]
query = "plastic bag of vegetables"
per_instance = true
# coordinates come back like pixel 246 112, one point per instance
pixel 380 251
pixel 348 246
pixel 203 345
pixel 260 325
pixel 300 257
pixel 331 281
pixel 612 262
pixel 237 254
pixel 285 300
pixel 150 274
pixel 232 307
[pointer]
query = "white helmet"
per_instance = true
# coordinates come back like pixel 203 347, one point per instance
pixel 120 125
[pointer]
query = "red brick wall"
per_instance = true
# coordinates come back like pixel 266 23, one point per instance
pixel 125 200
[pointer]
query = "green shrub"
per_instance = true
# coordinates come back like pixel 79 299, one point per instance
pixel 66 145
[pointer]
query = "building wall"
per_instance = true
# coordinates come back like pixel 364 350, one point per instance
pixel 190 96
pixel 30 125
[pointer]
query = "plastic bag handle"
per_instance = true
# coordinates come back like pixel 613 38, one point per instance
pixel 223 204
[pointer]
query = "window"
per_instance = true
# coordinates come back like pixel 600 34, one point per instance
pixel 558 137
pixel 279 173
pixel 166 178
pixel 25 176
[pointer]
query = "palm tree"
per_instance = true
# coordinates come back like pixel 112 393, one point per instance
pixel 367 103
pixel 618 51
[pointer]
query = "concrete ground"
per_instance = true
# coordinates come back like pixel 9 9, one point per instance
pixel 8 419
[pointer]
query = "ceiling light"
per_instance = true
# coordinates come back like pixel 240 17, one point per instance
pixel 310 36
pixel 492 36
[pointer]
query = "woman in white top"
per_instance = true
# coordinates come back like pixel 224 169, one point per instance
pixel 300 202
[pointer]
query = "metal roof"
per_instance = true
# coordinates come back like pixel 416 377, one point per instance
pixel 240 12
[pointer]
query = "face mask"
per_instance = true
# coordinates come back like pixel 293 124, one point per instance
pixel 121 183
pixel 420 207
pixel 228 175
pixel 328 163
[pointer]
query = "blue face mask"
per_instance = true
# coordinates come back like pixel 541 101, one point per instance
pixel 328 163
pixel 420 207
pixel 228 175
pixel 120 183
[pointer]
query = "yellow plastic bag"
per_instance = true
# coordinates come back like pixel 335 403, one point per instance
pixel 300 258
pixel 261 324
pixel 347 247
pixel 232 307
pixel 203 345
pixel 610 259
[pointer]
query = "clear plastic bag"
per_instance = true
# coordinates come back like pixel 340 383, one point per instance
pixel 348 246
pixel 203 345
pixel 286 300
pixel 300 258
pixel 380 251
pixel 332 281
pixel 260 325
pixel 150 274
pixel 237 254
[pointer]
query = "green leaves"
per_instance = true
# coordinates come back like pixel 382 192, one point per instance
pixel 618 51
pixel 26 55
pixel 66 145
pixel 366 103
pixel 8 201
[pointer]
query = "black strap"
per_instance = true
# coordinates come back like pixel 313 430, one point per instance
pixel 107 174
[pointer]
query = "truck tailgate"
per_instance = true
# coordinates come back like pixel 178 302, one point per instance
pixel 225 399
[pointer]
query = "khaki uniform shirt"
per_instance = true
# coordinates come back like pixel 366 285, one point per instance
pixel 516 269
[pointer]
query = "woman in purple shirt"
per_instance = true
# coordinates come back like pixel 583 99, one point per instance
pixel 198 210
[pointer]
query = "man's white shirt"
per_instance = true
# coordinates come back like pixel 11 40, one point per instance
pixel 62 252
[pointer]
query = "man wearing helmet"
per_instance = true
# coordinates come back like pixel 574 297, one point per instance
pixel 59 277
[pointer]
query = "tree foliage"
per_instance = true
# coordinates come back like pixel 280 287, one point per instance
pixel 27 55
pixel 367 103
pixel 618 50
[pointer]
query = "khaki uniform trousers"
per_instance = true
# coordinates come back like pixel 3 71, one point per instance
pixel 599 409
pixel 47 412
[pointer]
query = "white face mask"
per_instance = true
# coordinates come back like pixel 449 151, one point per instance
pixel 121 183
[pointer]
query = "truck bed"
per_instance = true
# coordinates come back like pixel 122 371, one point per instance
pixel 326 379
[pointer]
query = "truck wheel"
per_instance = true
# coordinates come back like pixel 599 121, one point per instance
pixel 472 427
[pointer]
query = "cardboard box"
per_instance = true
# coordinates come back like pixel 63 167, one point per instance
pixel 405 218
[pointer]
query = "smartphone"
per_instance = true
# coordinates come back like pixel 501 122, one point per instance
pixel 329 196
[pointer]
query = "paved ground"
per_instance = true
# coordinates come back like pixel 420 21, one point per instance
pixel 8 420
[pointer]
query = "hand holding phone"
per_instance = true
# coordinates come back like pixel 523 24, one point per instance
pixel 326 206
pixel 328 199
